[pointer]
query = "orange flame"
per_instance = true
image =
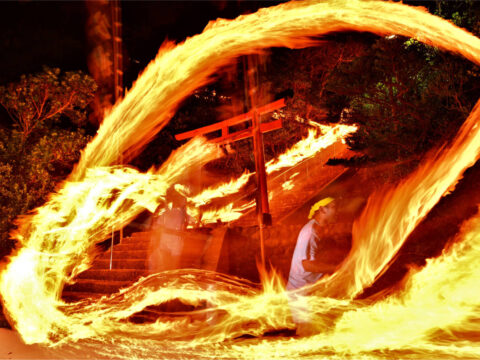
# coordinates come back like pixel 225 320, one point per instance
pixel 390 217
pixel 221 190
pixel 310 146
pixel 316 140
pixel 434 317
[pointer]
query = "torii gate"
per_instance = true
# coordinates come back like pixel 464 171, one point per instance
pixel 225 125
pixel 255 131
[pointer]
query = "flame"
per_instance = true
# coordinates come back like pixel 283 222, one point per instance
pixel 223 214
pixel 288 185
pixel 391 216
pixel 435 316
pixel 78 216
pixel 221 190
pixel 317 139
pixel 310 146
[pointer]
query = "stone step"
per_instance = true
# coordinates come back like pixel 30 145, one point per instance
pixel 144 237
pixel 131 275
pixel 137 237
pixel 131 246
pixel 97 286
pixel 137 264
pixel 125 254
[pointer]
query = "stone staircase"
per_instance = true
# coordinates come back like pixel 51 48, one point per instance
pixel 129 263
pixel 130 257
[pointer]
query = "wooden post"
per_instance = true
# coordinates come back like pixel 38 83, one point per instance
pixel 263 214
pixel 117 61
pixel 260 167
pixel 117 49
pixel 117 79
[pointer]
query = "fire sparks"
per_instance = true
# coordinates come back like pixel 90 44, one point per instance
pixel 434 316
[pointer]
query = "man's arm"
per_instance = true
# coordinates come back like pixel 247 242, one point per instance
pixel 318 266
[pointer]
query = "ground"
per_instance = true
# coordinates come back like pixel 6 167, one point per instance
pixel 13 347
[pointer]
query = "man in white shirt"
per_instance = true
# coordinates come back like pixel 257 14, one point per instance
pixel 307 266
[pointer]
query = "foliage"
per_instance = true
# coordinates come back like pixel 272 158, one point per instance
pixel 28 177
pixel 303 74
pixel 40 148
pixel 38 100
pixel 462 13
pixel 406 97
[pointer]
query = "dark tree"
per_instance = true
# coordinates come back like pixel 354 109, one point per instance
pixel 405 96
pixel 40 145
pixel 36 101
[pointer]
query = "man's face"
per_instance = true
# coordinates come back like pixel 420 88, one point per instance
pixel 324 214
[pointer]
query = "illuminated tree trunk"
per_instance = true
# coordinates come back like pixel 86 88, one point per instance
pixel 105 60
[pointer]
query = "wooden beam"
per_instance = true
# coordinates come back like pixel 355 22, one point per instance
pixel 231 122
pixel 243 134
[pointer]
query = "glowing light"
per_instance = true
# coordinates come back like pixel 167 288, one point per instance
pixel 221 190
pixel 288 185
pixel 311 145
pixel 316 140
pixel 431 318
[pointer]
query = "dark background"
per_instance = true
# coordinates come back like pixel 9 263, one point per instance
pixel 52 33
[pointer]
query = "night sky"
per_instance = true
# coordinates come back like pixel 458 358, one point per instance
pixel 37 33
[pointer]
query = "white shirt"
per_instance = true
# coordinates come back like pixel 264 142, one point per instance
pixel 305 249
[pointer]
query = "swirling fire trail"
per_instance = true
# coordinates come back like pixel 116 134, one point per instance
pixel 437 315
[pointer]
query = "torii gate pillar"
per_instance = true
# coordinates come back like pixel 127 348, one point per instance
pixel 263 213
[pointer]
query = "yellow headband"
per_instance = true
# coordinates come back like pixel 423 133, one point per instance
pixel 318 205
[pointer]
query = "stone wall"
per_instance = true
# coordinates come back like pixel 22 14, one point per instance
pixel 241 250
